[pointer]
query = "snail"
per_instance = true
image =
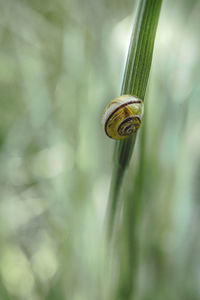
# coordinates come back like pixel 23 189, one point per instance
pixel 122 117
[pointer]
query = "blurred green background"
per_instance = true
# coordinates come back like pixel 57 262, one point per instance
pixel 61 62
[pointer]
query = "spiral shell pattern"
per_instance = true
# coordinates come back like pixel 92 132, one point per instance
pixel 122 117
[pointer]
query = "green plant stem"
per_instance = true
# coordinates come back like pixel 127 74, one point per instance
pixel 135 83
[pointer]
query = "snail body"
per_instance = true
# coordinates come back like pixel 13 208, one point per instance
pixel 122 117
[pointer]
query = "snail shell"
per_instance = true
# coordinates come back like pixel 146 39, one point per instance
pixel 122 117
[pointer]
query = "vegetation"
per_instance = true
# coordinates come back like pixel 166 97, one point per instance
pixel 134 83
pixel 61 62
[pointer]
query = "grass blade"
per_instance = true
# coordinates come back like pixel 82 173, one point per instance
pixel 135 83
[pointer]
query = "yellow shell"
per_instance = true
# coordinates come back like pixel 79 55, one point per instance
pixel 122 117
